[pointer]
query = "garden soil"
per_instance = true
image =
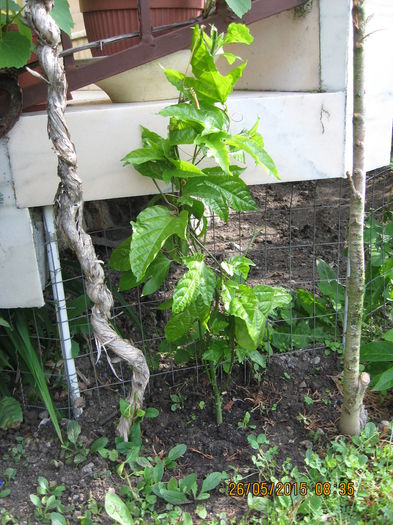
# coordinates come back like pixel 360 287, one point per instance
pixel 295 401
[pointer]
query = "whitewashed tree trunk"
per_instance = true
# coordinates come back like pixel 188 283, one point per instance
pixel 69 204
pixel 353 414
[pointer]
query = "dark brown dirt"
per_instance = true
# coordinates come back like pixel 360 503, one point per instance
pixel 296 224
pixel 277 406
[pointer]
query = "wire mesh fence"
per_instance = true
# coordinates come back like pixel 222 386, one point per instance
pixel 297 226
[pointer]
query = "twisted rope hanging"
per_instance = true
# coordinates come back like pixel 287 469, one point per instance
pixel 69 205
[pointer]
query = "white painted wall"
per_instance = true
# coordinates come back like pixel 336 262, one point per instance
pixel 284 55
pixel 379 82
pixel 20 282
pixel 303 133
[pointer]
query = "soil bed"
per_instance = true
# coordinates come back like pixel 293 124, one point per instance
pixel 295 402
pixel 277 406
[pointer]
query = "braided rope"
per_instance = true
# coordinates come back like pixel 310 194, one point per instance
pixel 69 205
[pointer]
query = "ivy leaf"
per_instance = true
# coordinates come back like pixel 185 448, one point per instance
pixel 239 33
pixel 221 189
pixel 159 270
pixel 15 49
pixel 239 7
pixel 199 280
pixel 120 257
pixel 152 228
pixel 237 266
pixel 214 146
pixel 252 146
pixel 179 324
pixel 182 169
pixel 142 155
pixel 208 194
pixel 61 14
pixel 210 118
pixel 213 84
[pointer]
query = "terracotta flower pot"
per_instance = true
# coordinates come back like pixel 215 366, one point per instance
pixel 106 18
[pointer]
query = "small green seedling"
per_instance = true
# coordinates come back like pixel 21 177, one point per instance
pixel 17 452
pixel 308 400
pixel 244 425
pixel 74 446
pixel 8 475
pixel 47 500
pixel 182 491
pixel 177 402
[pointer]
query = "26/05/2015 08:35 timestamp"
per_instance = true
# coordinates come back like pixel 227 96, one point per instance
pixel 267 488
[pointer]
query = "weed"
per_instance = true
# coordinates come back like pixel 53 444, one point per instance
pixel 7 518
pixel 308 400
pixel 350 484
pixel 75 448
pixel 245 424
pixel 177 401
pixel 8 475
pixel 264 460
pixel 18 451
pixel 48 500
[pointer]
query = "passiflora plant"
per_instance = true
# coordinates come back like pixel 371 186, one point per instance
pixel 212 307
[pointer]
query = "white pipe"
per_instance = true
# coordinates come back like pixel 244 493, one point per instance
pixel 61 308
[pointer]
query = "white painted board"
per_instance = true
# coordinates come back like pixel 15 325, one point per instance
pixel 303 132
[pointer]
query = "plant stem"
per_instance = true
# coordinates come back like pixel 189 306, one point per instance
pixel 163 195
pixel 217 393
pixel 206 250
pixel 229 374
